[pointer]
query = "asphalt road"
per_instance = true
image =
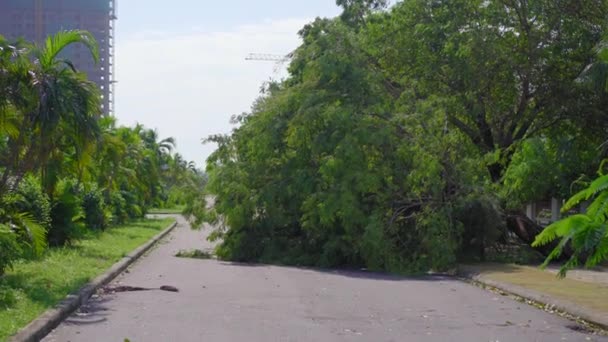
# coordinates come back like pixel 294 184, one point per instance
pixel 221 301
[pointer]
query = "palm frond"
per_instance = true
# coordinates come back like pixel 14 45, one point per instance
pixel 561 229
pixel 587 237
pixel 575 200
pixel 598 209
pixel 587 233
pixel 557 251
pixel 34 233
pixel 56 43
pixel 601 252
pixel 598 186
pixel 592 190
pixel 8 121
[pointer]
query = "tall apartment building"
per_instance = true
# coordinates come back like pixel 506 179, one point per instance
pixel 34 20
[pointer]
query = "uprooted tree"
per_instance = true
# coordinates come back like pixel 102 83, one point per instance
pixel 406 139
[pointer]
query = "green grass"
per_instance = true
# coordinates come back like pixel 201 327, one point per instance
pixel 174 210
pixel 585 294
pixel 32 287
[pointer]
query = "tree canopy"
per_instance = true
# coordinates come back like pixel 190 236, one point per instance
pixel 409 138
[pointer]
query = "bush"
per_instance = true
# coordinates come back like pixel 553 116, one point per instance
pixel 133 206
pixel 27 213
pixel 94 208
pixel 7 297
pixel 10 250
pixel 483 225
pixel 118 207
pixel 30 199
pixel 65 213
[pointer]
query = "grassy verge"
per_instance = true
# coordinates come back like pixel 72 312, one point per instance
pixel 584 294
pixel 176 210
pixel 32 287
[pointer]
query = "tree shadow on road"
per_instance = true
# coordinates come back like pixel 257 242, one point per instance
pixel 92 312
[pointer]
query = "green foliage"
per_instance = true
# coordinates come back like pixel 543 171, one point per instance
pixel 10 250
pixel 7 297
pixel 356 11
pixel 41 284
pixel 64 168
pixel 483 225
pixel 132 205
pixel 66 212
pixel 94 207
pixel 545 168
pixel 408 139
pixel 53 111
pixel 586 234
pixel 29 199
pixel 29 235
pixel 311 178
pixel 503 79
pixel 119 208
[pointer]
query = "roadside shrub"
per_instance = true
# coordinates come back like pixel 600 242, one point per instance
pixel 65 213
pixel 94 208
pixel 30 199
pixel 7 297
pixel 133 207
pixel 25 214
pixel 10 250
pixel 177 196
pixel 118 206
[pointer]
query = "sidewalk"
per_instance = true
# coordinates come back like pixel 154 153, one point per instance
pixel 599 276
pixel 584 293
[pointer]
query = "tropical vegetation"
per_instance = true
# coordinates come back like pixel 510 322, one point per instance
pixel 65 169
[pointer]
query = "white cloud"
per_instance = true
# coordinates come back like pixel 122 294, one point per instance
pixel 188 86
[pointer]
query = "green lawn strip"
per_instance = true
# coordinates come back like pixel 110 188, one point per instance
pixel 175 210
pixel 585 294
pixel 32 287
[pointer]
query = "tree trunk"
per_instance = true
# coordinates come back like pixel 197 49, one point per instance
pixel 527 230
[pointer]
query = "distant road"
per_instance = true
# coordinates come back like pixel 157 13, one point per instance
pixel 230 302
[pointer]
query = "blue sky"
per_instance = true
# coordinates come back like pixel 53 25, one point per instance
pixel 181 63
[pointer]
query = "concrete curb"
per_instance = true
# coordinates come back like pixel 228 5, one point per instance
pixel 49 320
pixel 588 315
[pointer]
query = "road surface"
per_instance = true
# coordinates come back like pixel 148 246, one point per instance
pixel 221 301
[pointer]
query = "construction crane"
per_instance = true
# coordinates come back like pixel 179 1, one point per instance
pixel 279 60
pixel 267 57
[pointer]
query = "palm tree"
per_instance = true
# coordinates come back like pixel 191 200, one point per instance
pixel 192 166
pixel 56 106
pixel 14 66
pixel 167 145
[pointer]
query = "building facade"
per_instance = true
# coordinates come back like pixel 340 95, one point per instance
pixel 34 20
